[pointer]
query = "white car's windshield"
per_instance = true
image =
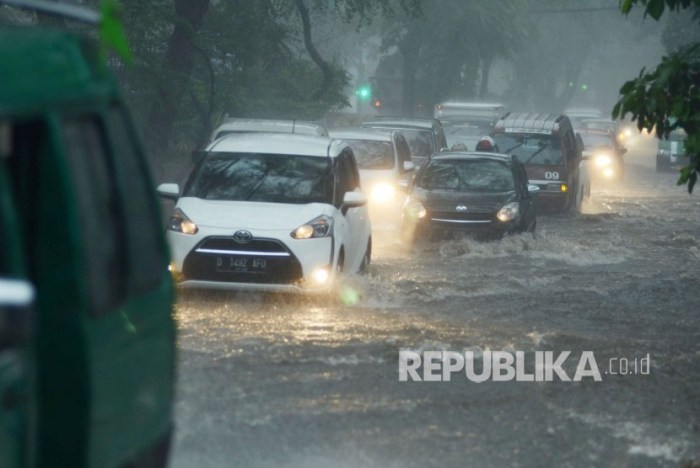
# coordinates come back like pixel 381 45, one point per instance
pixel 373 155
pixel 272 178
pixel 479 175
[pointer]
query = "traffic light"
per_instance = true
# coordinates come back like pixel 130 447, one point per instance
pixel 364 92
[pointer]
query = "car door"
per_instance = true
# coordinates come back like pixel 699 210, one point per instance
pixel 527 200
pixel 352 220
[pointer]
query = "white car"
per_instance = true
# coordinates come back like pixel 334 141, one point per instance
pixel 233 125
pixel 384 160
pixel 269 212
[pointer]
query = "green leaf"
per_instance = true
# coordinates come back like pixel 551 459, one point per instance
pixel 625 6
pixel 655 8
pixel 112 35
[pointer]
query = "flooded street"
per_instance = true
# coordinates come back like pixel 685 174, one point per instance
pixel 278 380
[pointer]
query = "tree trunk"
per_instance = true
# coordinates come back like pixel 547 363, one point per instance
pixel 408 71
pixel 486 63
pixel 179 60
pixel 315 56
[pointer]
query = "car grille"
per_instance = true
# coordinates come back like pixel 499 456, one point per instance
pixel 460 216
pixel 204 262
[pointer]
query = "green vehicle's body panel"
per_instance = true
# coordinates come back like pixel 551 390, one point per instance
pixel 105 381
pixel 15 373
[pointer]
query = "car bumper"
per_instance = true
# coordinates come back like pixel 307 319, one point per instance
pixel 438 227
pixel 272 261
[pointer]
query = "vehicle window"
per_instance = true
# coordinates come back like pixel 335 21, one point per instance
pixel 466 133
pixel 342 179
pixel 420 142
pixel 403 150
pixel 274 178
pixel 98 211
pixel 352 171
pixel 531 149
pixel 596 141
pixel 480 175
pixel 373 155
pixel 145 254
pixel 441 141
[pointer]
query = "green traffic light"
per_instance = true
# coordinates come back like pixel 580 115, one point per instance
pixel 363 92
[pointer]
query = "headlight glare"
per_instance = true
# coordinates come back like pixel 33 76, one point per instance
pixel 603 160
pixel 414 209
pixel 321 226
pixel 508 212
pixel 383 192
pixel 179 222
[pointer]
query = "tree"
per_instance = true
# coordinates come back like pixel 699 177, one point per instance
pixel 668 97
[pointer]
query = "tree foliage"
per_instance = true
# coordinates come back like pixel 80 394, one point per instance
pixel 668 97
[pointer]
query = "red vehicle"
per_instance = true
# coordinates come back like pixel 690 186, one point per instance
pixel 546 145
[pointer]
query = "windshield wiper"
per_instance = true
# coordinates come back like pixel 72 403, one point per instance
pixel 514 147
pixel 257 185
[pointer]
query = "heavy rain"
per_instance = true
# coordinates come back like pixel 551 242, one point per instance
pixel 349 233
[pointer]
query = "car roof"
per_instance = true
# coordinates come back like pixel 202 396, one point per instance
pixel 403 122
pixel 361 133
pixel 594 131
pixel 278 143
pixel 271 126
pixel 531 122
pixel 472 155
pixel 583 112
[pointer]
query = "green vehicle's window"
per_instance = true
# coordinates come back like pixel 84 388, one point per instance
pixel 143 231
pixel 99 213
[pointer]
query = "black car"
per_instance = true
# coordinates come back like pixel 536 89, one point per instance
pixel 485 194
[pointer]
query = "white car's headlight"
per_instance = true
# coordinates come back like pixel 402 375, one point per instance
pixel 603 160
pixel 383 192
pixel 179 222
pixel 508 212
pixel 317 227
pixel 414 209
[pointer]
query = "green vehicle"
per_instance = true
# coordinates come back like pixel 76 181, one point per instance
pixel 91 367
pixel 671 153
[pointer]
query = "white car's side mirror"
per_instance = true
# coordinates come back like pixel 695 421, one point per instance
pixel 169 191
pixel 354 199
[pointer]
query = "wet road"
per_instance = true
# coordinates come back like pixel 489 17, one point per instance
pixel 288 381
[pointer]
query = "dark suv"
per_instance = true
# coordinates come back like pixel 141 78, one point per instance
pixel 546 145
pixel 486 194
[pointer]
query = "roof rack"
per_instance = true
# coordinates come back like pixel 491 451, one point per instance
pixel 60 10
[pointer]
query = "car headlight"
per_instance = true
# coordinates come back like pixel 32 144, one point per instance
pixel 321 226
pixel 383 192
pixel 603 160
pixel 179 222
pixel 508 212
pixel 414 209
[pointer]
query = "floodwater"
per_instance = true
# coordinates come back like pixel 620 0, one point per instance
pixel 279 380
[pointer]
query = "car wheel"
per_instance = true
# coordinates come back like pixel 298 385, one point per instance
pixel 578 199
pixel 367 259
pixel 341 262
pixel 532 227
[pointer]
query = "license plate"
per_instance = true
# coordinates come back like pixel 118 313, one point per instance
pixel 241 264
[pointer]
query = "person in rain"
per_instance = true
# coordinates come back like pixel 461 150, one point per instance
pixel 488 145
